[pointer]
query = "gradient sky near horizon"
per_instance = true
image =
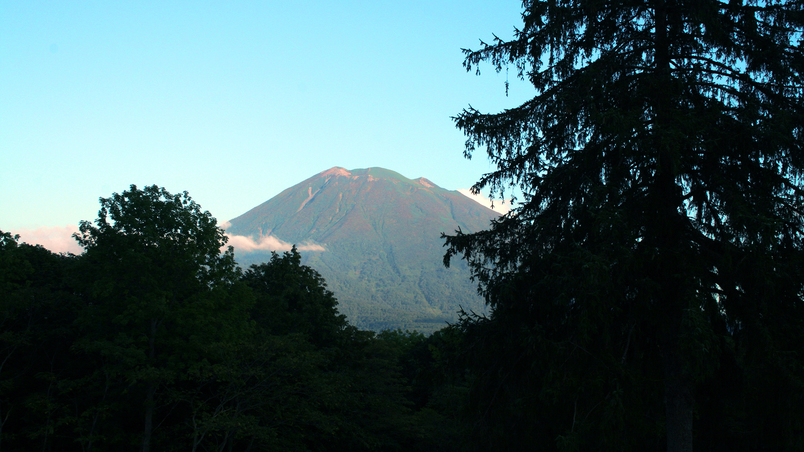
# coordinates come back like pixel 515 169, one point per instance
pixel 233 101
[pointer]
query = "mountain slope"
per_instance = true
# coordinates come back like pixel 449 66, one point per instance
pixel 381 238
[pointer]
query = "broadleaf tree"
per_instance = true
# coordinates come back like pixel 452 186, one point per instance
pixel 660 169
pixel 164 296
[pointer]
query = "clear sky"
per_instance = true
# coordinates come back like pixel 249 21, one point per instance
pixel 232 101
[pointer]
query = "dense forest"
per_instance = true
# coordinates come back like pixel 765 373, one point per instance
pixel 154 339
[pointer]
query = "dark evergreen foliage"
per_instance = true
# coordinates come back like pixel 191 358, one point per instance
pixel 658 248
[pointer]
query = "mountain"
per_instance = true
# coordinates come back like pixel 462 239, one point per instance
pixel 374 235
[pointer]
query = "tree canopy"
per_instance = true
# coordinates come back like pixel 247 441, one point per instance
pixel 153 339
pixel 162 296
pixel 660 233
pixel 294 298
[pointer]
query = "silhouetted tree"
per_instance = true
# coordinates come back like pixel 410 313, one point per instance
pixel 38 304
pixel 342 389
pixel 162 296
pixel 660 234
pixel 293 298
pixel 154 339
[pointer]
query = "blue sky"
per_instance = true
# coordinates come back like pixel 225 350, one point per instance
pixel 232 101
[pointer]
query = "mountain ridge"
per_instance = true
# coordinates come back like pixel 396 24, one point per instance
pixel 380 234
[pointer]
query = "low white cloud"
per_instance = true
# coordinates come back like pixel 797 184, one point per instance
pixel 264 243
pixel 267 243
pixel 58 239
pixel 500 206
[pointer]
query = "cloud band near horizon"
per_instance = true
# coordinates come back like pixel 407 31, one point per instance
pixel 59 239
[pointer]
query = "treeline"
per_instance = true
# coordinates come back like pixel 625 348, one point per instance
pixel 380 298
pixel 154 339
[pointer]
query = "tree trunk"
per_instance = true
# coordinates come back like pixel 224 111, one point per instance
pixel 149 398
pixel 149 418
pixel 679 404
pixel 679 400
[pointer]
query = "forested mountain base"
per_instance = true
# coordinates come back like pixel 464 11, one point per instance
pixel 379 301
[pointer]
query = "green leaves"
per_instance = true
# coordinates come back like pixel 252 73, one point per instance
pixel 293 298
pixel 163 294
pixel 153 338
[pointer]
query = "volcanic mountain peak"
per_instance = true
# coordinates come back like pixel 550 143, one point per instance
pixel 335 171
pixel 381 235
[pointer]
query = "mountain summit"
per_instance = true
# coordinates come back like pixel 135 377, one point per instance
pixel 378 239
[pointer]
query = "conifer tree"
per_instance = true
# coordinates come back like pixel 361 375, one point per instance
pixel 660 233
